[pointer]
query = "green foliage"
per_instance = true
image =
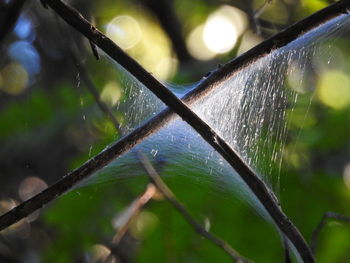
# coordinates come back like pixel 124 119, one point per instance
pixel 311 178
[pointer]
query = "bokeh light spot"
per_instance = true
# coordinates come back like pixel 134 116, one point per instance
pixel 23 28
pixel 111 93
pixel 295 78
pixel 22 227
pixel 144 224
pixel 100 253
pixel 145 40
pixel 26 54
pixel 124 31
pixel 223 28
pixel 14 78
pixel 249 40
pixel 219 34
pixel 196 45
pixel 334 89
pixel 170 66
pixel 31 186
pixel 346 175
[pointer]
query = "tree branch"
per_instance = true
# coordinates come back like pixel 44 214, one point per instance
pixel 153 125
pixel 321 225
pixel 258 187
pixel 134 209
pixel 168 194
pixel 127 218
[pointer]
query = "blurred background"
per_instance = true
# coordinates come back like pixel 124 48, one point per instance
pixel 50 124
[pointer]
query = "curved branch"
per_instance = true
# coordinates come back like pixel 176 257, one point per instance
pixel 153 125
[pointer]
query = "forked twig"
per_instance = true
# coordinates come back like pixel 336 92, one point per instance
pixel 258 187
pixel 322 224
pixel 140 202
pixel 127 217
pixel 168 194
pixel 164 117
pixel 133 210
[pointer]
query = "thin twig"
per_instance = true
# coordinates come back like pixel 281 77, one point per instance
pixel 132 211
pixel 260 10
pixel 153 125
pixel 322 224
pixel 135 207
pixel 257 13
pixel 168 194
pixel 93 90
pixel 258 187
pixel 85 76
pixel 128 216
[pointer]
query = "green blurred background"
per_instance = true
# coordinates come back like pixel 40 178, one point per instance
pixel 50 124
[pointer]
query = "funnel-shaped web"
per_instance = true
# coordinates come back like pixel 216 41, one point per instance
pixel 250 107
pixel 251 110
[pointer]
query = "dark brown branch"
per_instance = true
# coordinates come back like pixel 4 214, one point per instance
pixel 258 187
pixel 9 16
pixel 165 116
pixel 279 40
pixel 326 217
pixel 133 210
pixel 258 12
pixel 168 194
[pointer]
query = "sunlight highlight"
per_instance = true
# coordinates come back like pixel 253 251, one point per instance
pixel 15 78
pixel 144 40
pixel 218 34
pixel 334 89
pixel 196 45
pixel 124 31
pixel 100 253
pixel 111 93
